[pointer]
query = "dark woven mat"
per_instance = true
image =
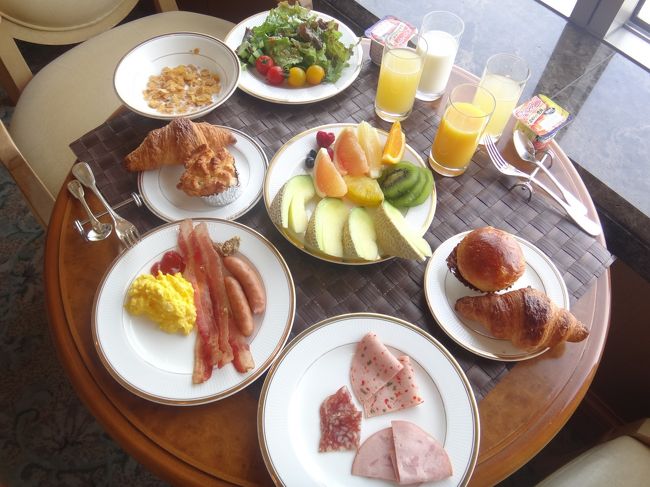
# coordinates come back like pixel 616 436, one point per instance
pixel 395 287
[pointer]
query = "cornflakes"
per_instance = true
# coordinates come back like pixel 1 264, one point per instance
pixel 181 89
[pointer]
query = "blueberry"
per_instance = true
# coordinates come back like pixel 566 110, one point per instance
pixel 309 161
pixel 312 153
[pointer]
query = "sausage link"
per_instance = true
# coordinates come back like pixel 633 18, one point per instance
pixel 250 282
pixel 239 305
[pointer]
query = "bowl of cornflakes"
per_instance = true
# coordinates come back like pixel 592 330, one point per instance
pixel 183 74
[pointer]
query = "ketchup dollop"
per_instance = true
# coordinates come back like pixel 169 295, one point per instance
pixel 171 263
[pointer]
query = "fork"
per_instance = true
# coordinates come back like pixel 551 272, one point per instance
pixel 124 229
pixel 504 167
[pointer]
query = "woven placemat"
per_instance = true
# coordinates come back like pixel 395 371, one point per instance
pixel 395 287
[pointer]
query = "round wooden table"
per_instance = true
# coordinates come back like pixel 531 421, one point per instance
pixel 216 444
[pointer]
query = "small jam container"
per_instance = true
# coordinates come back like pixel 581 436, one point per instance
pixel 540 118
pixel 391 30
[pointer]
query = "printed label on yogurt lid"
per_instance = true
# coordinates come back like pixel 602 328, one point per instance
pixel 391 30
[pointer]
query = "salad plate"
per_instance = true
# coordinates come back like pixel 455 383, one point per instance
pixel 160 194
pixel 289 161
pixel 255 84
pixel 158 366
pixel 442 290
pixel 317 363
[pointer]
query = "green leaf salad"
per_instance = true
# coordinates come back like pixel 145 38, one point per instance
pixel 293 36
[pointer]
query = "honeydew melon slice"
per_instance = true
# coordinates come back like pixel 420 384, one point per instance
pixel 395 237
pixel 288 206
pixel 359 236
pixel 325 228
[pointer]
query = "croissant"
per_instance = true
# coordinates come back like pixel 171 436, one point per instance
pixel 175 142
pixel 527 317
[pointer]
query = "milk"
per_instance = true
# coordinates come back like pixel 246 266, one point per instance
pixel 438 62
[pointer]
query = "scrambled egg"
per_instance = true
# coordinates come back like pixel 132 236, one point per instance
pixel 168 299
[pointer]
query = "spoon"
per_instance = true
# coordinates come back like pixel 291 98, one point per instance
pixel 99 230
pixel 526 150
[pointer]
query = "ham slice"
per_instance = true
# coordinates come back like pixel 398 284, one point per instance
pixel 372 367
pixel 340 422
pixel 404 453
pixel 400 392
pixel 373 458
pixel 417 456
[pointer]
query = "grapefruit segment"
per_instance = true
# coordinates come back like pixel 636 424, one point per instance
pixel 349 156
pixel 327 179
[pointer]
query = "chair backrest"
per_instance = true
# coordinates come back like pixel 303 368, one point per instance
pixel 55 22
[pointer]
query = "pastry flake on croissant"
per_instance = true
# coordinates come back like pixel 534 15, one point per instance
pixel 527 317
pixel 175 142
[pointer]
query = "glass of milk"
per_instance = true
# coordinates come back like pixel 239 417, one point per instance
pixel 442 31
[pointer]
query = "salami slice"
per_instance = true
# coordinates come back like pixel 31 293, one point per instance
pixel 372 367
pixel 400 392
pixel 373 458
pixel 340 422
pixel 417 456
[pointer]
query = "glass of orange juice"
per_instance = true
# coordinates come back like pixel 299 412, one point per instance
pixel 461 127
pixel 399 75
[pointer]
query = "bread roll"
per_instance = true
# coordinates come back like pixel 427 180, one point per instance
pixel 487 259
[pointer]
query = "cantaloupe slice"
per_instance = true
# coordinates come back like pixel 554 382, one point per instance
pixel 327 179
pixel 349 156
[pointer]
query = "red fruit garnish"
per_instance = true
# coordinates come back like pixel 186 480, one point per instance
pixel 171 263
pixel 330 152
pixel 324 139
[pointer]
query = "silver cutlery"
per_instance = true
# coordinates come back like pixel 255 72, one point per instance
pixel 526 151
pixel 503 166
pixel 134 198
pixel 124 229
pixel 99 230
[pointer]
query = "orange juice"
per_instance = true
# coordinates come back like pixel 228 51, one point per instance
pixel 398 80
pixel 458 135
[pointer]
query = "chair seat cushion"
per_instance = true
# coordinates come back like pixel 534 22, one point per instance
pixel 621 461
pixel 74 93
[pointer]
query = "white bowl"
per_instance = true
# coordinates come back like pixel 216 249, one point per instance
pixel 170 50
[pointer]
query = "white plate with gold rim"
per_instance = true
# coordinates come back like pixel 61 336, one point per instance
pixel 160 194
pixel 442 290
pixel 255 84
pixel 158 366
pixel 316 364
pixel 289 161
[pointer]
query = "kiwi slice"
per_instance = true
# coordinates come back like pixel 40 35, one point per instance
pixel 405 199
pixel 399 180
pixel 426 190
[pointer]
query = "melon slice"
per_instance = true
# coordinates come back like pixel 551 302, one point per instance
pixel 325 228
pixel 372 147
pixel 359 236
pixel 349 156
pixel 395 237
pixel 327 179
pixel 288 206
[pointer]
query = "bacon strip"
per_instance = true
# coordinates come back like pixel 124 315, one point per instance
pixel 213 266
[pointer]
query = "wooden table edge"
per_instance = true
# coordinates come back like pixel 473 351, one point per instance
pixel 136 443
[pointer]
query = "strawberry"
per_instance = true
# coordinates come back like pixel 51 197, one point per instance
pixel 324 139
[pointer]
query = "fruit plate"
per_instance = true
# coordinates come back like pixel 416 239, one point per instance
pixel 254 83
pixel 442 290
pixel 158 366
pixel 317 363
pixel 160 195
pixel 289 161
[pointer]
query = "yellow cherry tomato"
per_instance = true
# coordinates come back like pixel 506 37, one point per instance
pixel 315 74
pixel 296 77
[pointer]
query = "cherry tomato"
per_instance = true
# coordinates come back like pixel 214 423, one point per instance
pixel 275 75
pixel 315 74
pixel 296 77
pixel 263 64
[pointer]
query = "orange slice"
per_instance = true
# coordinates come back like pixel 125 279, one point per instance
pixel 363 191
pixel 395 145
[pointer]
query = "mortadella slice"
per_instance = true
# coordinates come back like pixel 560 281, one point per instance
pixel 372 367
pixel 417 456
pixel 373 459
pixel 400 392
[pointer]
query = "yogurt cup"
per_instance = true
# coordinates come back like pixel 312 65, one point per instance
pixel 390 30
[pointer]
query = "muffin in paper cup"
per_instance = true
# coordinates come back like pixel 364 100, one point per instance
pixel 225 197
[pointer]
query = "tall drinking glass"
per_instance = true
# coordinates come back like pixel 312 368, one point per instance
pixel 461 127
pixel 399 75
pixel 505 76
pixel 442 31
